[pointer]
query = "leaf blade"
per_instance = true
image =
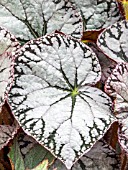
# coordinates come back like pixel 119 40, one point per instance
pixel 38 18
pixel 48 95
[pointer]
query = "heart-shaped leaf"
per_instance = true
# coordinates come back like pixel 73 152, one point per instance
pixel 34 18
pixel 101 156
pixel 8 44
pixel 114 41
pixel 53 98
pixel 98 14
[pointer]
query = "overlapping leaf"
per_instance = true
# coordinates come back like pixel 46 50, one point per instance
pixel 123 130
pixel 107 65
pixel 98 14
pixel 117 86
pixel 4 160
pixel 8 126
pixel 101 156
pixel 114 41
pixel 53 98
pixel 8 44
pixel 29 19
pixel 26 143
pixel 27 154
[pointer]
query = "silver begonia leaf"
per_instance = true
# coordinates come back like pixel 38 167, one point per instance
pixel 98 14
pixel 8 45
pixel 53 99
pixel 114 41
pixel 101 156
pixel 117 86
pixel 29 19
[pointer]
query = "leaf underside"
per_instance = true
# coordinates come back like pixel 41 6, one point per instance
pixel 53 99
pixel 98 14
pixel 31 19
pixel 113 41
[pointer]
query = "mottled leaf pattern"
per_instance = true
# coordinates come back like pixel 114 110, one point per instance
pixel 117 86
pixel 29 19
pixel 8 44
pixel 114 41
pixel 101 156
pixel 98 14
pixel 107 65
pixel 53 98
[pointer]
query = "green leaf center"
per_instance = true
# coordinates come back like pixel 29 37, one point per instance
pixel 75 92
